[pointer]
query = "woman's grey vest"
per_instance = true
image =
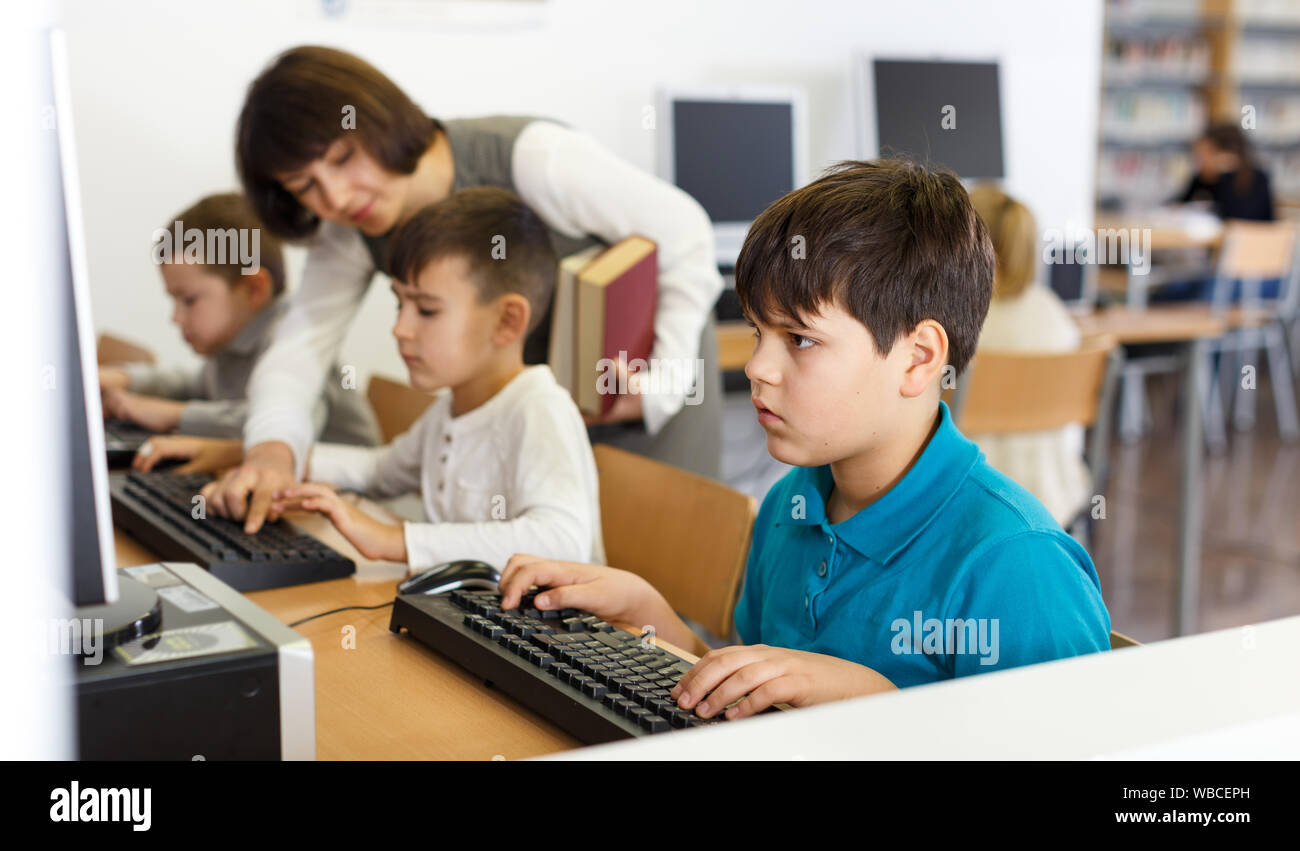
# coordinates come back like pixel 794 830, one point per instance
pixel 481 150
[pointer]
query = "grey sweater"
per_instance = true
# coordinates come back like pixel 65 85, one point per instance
pixel 216 398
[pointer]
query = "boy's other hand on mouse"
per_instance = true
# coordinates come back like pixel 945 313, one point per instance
pixel 373 539
pixel 770 675
pixel 146 411
pixel 203 454
pixel 113 378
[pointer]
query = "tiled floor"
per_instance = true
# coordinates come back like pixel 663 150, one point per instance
pixel 1251 524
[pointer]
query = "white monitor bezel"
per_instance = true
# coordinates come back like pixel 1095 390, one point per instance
pixel 82 306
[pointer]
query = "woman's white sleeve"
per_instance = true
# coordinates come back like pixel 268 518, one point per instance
pixel 289 376
pixel 579 187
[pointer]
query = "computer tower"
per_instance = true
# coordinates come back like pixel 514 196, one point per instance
pixel 219 678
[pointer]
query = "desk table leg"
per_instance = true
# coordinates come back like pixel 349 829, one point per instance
pixel 1187 586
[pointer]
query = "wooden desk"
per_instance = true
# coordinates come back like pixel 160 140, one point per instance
pixel 1190 327
pixel 1164 236
pixel 388 696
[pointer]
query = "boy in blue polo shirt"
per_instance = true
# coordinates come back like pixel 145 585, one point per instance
pixel 892 555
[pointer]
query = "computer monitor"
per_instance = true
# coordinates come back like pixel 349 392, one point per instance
pixel 1070 274
pixel 86 521
pixel 735 150
pixel 945 113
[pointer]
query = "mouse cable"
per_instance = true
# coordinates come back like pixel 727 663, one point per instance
pixel 344 609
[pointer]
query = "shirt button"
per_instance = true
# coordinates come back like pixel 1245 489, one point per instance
pixel 447 438
pixel 444 459
pixel 439 485
pixel 830 539
pixel 805 601
pixel 821 569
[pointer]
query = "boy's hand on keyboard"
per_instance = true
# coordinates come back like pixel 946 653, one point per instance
pixel 770 675
pixel 112 378
pixel 373 539
pixel 614 595
pixel 146 411
pixel 204 454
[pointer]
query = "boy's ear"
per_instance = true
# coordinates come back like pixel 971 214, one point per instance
pixel 258 286
pixel 513 315
pixel 928 354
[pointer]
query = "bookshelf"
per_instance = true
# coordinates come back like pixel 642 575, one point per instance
pixel 1171 66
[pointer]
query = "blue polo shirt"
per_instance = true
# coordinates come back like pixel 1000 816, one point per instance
pixel 957 570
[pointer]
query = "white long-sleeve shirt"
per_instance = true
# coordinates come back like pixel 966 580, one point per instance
pixel 514 475
pixel 576 186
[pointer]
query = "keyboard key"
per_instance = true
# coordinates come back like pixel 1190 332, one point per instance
pixel 653 723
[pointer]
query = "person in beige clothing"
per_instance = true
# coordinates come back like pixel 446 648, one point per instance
pixel 1026 316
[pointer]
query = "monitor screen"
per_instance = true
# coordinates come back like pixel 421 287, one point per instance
pixel 734 157
pixel 85 522
pixel 942 113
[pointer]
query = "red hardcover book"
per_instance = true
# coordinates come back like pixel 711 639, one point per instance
pixel 617 296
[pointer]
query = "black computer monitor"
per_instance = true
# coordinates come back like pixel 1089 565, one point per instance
pixel 735 150
pixel 937 112
pixel 86 522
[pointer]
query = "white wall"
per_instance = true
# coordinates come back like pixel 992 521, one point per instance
pixel 157 91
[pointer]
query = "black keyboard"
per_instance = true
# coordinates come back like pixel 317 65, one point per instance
pixel 122 439
pixel 595 681
pixel 158 509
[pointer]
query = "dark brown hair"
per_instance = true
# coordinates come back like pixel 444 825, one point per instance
pixel 892 242
pixel 479 224
pixel 295 110
pixel 227 211
pixel 1226 136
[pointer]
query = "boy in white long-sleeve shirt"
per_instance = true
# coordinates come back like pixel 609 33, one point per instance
pixel 501 457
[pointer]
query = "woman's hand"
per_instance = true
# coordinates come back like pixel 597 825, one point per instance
pixel 204 454
pixel 627 406
pixel 763 675
pixel 373 539
pixel 246 492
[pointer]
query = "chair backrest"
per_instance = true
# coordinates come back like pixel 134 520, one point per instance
pixel 1253 252
pixel 687 535
pixel 1006 392
pixel 112 349
pixel 1257 249
pixel 397 406
pixel 1119 639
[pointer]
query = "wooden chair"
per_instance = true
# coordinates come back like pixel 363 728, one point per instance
pixel 1008 392
pixel 396 405
pixel 1254 252
pixel 111 350
pixel 1119 640
pixel 688 535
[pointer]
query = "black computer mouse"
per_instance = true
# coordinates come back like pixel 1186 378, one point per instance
pixel 450 576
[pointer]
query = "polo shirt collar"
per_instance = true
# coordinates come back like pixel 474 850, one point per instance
pixel 881 530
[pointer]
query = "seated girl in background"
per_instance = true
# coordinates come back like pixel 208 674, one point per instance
pixel 1026 316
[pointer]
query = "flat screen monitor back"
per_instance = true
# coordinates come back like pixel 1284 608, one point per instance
pixel 941 113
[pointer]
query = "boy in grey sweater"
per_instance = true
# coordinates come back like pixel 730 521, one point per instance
pixel 225 275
